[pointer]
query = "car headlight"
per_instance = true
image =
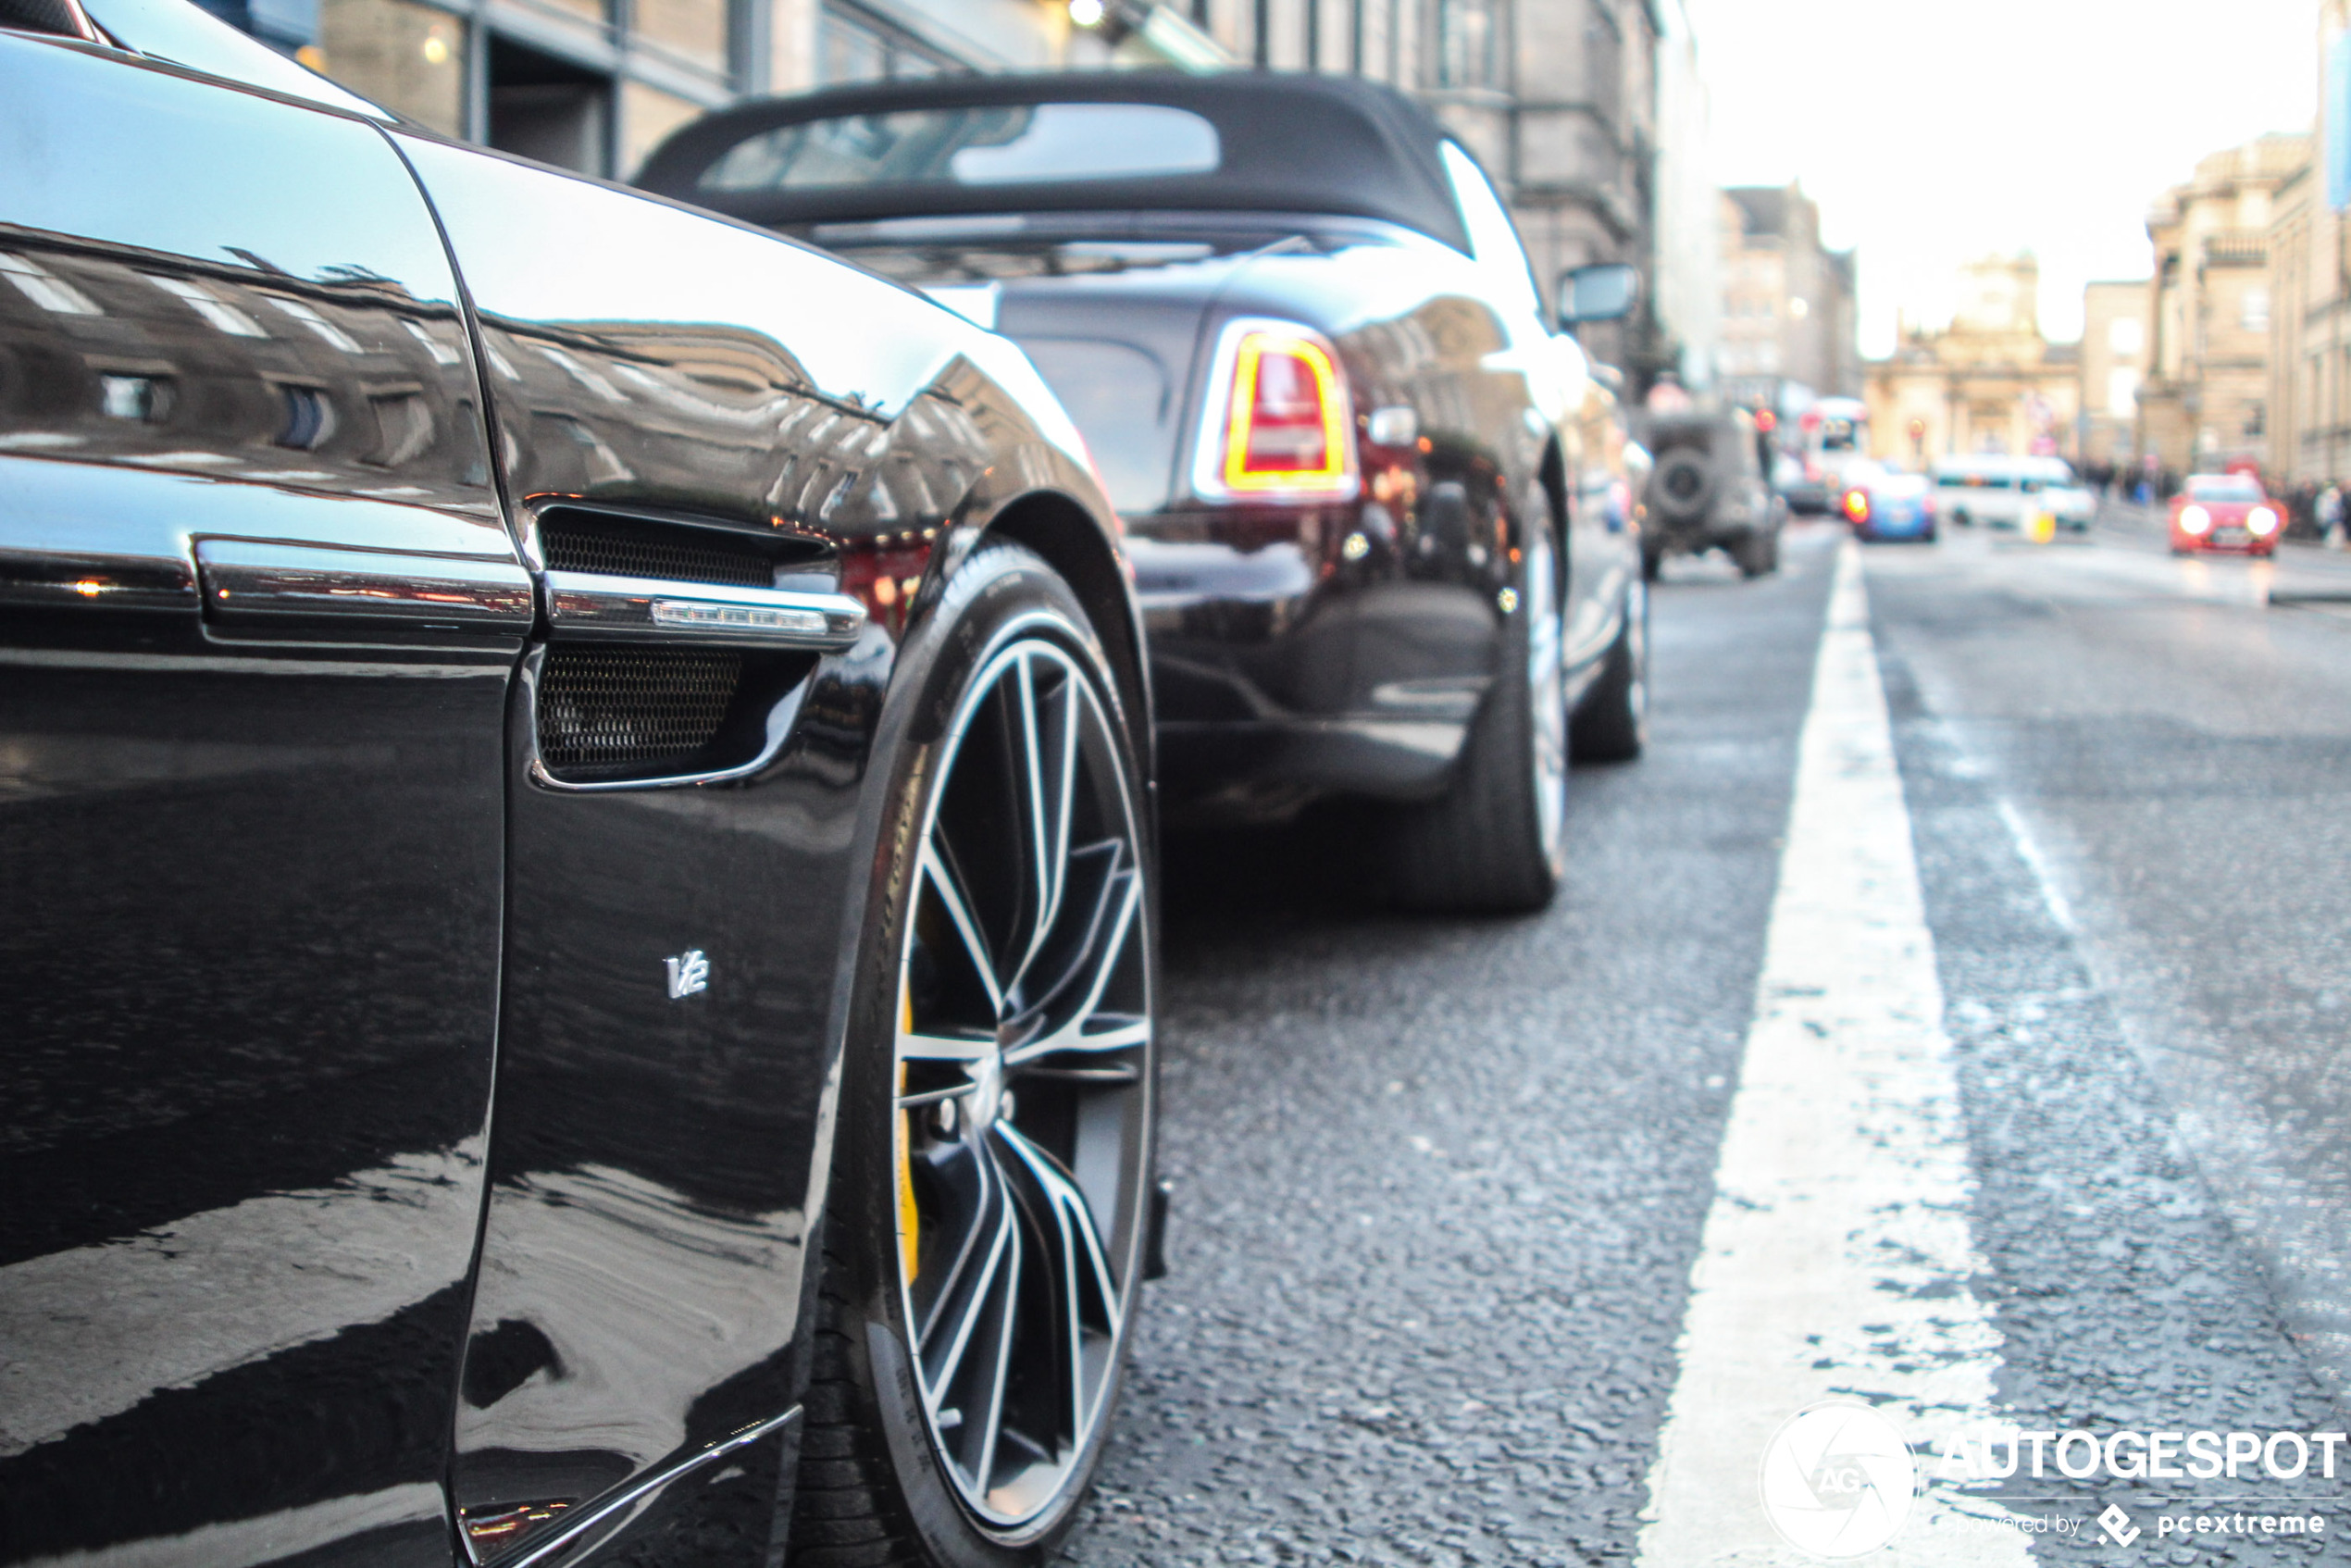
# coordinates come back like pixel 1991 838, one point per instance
pixel 2196 519
pixel 2262 521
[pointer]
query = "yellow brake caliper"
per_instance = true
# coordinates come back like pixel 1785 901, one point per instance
pixel 909 1222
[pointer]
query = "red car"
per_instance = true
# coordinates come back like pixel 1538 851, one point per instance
pixel 2225 512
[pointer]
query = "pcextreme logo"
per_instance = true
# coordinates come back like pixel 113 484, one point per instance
pixel 1838 1480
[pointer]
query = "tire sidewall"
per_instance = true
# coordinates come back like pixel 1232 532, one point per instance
pixel 1001 594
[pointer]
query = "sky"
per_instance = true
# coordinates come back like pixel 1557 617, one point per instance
pixel 1931 134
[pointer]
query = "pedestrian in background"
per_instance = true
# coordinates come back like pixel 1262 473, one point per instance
pixel 2329 506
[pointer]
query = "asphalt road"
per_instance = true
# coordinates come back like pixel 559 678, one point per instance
pixel 1441 1185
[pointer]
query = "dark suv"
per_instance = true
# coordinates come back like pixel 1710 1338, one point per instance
pixel 1708 491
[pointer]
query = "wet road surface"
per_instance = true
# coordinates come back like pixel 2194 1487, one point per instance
pixel 1441 1185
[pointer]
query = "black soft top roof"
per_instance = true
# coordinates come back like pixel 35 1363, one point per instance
pixel 1289 144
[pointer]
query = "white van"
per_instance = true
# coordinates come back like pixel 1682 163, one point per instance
pixel 2000 491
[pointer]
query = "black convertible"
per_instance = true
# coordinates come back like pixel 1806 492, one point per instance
pixel 1383 517
pixel 574 807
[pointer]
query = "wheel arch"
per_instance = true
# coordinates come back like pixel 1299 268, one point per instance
pixel 1062 531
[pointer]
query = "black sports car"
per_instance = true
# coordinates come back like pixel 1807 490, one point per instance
pixel 578 945
pixel 1383 517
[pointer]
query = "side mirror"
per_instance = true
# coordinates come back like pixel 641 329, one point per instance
pixel 1605 291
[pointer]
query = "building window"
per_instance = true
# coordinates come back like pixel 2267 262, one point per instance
pixel 1465 44
pixel 2126 336
pixel 2253 309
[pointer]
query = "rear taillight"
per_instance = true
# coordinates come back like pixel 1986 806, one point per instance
pixel 1279 425
pixel 1857 505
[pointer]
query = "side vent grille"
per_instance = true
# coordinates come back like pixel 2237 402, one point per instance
pixel 626 710
pixel 575 544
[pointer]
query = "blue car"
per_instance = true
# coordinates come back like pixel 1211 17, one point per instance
pixel 1885 505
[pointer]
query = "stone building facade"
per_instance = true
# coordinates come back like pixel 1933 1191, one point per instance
pixel 2115 342
pixel 1787 330
pixel 1988 382
pixel 2206 399
pixel 2310 251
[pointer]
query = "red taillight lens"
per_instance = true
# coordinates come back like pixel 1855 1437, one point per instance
pixel 1857 505
pixel 1284 429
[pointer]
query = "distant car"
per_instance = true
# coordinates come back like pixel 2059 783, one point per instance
pixel 1708 492
pixel 2001 491
pixel 2224 512
pixel 1882 505
pixel 1801 486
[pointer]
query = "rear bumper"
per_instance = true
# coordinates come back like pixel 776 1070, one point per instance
pixel 1306 651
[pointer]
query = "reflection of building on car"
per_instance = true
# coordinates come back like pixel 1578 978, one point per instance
pixel 1708 491
pixel 1381 514
pixel 2225 512
pixel 2009 493
pixel 576 748
pixel 1883 504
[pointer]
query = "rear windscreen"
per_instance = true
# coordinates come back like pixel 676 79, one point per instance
pixel 980 145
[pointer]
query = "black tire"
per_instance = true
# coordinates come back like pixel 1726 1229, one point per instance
pixel 1683 485
pixel 1756 553
pixel 1613 722
pixel 1652 560
pixel 1496 842
pixel 1005 669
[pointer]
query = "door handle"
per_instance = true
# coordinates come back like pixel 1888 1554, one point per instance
pixel 630 609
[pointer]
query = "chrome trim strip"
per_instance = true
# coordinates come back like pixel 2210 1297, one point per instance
pixel 252 577
pixel 564 1539
pixel 102 579
pixel 654 609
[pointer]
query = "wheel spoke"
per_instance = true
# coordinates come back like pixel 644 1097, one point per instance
pixel 1008 1320
pixel 989 1198
pixel 1084 1271
pixel 1123 895
pixel 941 1371
pixel 948 889
pixel 1049 746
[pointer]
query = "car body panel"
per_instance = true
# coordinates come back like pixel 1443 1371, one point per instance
pixel 261 618
pixel 1296 648
pixel 276 601
pixel 696 373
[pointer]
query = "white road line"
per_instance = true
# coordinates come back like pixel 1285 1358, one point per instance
pixel 1836 1257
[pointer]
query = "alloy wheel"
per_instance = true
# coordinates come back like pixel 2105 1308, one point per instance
pixel 1024 1077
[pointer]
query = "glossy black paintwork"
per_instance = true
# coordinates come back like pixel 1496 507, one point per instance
pixel 1295 648
pixel 1284 663
pixel 249 971
pixel 284 895
pixel 644 1247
